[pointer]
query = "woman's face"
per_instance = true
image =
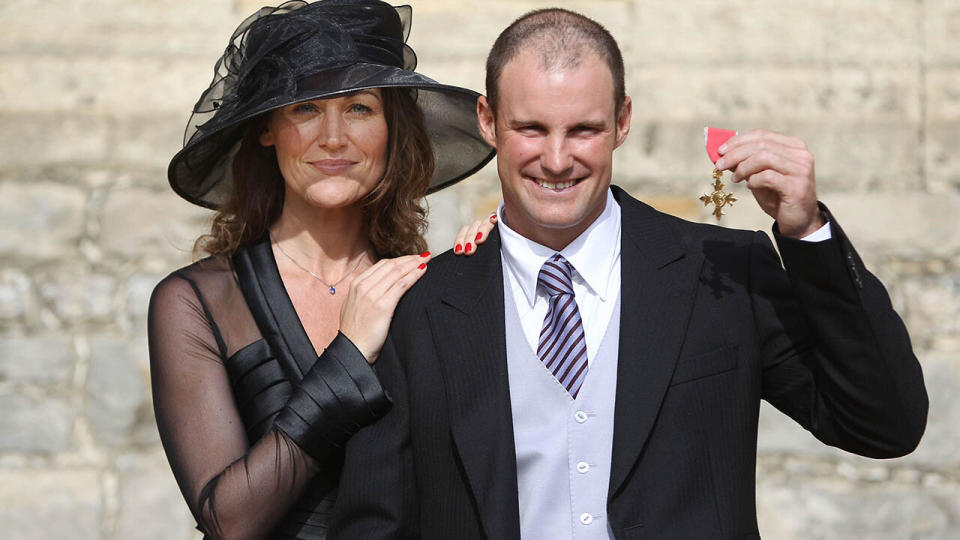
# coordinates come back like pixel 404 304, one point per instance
pixel 333 151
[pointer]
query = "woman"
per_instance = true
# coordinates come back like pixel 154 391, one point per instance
pixel 315 142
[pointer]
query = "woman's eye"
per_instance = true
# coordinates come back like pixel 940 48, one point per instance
pixel 304 108
pixel 360 108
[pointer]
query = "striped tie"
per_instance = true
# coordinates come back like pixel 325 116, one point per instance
pixel 562 347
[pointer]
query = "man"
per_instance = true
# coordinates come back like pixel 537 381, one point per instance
pixel 596 369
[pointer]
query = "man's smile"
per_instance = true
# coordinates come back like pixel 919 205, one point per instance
pixel 555 186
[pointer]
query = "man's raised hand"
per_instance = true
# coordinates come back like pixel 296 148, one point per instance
pixel 779 171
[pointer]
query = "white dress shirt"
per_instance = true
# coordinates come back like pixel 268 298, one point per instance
pixel 595 257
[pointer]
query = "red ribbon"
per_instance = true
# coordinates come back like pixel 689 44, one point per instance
pixel 714 138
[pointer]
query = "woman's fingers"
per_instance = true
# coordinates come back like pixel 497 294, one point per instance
pixel 461 240
pixel 399 282
pixel 474 234
pixel 483 228
pixel 381 276
pixel 368 309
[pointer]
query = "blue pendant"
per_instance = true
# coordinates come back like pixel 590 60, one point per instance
pixel 333 290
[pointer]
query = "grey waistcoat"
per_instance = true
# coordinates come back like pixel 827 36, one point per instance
pixel 563 445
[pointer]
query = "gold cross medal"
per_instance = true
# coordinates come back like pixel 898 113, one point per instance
pixel 713 139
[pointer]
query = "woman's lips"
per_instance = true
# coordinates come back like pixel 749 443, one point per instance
pixel 332 166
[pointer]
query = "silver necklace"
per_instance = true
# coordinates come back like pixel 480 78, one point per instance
pixel 333 286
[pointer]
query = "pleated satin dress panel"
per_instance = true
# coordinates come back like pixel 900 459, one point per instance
pixel 261 390
pixel 262 376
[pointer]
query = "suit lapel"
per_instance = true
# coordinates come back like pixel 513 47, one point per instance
pixel 657 290
pixel 467 327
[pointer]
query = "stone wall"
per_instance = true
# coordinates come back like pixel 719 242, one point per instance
pixel 94 95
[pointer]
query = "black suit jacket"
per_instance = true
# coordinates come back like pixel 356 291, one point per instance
pixel 710 324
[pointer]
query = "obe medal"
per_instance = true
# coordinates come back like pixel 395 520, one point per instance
pixel 713 139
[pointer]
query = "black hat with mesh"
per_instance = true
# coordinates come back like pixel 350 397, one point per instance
pixel 300 51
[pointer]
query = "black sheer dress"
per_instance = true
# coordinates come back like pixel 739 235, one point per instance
pixel 252 421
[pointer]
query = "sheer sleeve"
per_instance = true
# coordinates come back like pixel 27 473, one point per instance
pixel 234 490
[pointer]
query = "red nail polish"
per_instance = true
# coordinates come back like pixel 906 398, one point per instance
pixel 458 248
pixel 469 247
pixel 425 254
pixel 422 266
pixel 479 236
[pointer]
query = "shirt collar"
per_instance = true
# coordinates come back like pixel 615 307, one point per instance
pixel 592 254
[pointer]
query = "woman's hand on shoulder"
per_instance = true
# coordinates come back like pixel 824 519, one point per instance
pixel 368 309
pixel 471 236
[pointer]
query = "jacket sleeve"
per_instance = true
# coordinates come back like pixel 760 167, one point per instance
pixel 377 495
pixel 836 356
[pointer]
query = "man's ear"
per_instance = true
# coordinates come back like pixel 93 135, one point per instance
pixel 486 121
pixel 623 121
pixel 266 137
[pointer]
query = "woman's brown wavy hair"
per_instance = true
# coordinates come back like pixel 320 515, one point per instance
pixel 396 218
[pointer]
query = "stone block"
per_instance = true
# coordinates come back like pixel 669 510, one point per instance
pixel 682 207
pixel 151 505
pixel 932 306
pixel 455 71
pixel 148 142
pixel 751 32
pixel 756 32
pixel 432 28
pixel 29 140
pixel 663 157
pixel 139 223
pixel 117 390
pixel 34 424
pixel 870 32
pixel 17 301
pixel 50 504
pixel 77 296
pixel 866 157
pixel 912 225
pixel 139 289
pixel 806 93
pixel 829 508
pixel 433 23
pixel 779 434
pixel 113 85
pixel 938 448
pixel 114 27
pixel 36 359
pixel 941 158
pixel 459 205
pixel 40 220
pixel 941 31
pixel 943 95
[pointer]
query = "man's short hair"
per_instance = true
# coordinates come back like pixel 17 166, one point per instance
pixel 561 38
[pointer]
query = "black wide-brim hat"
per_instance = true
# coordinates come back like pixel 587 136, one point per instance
pixel 300 51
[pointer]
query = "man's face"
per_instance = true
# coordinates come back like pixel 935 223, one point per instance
pixel 555 131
